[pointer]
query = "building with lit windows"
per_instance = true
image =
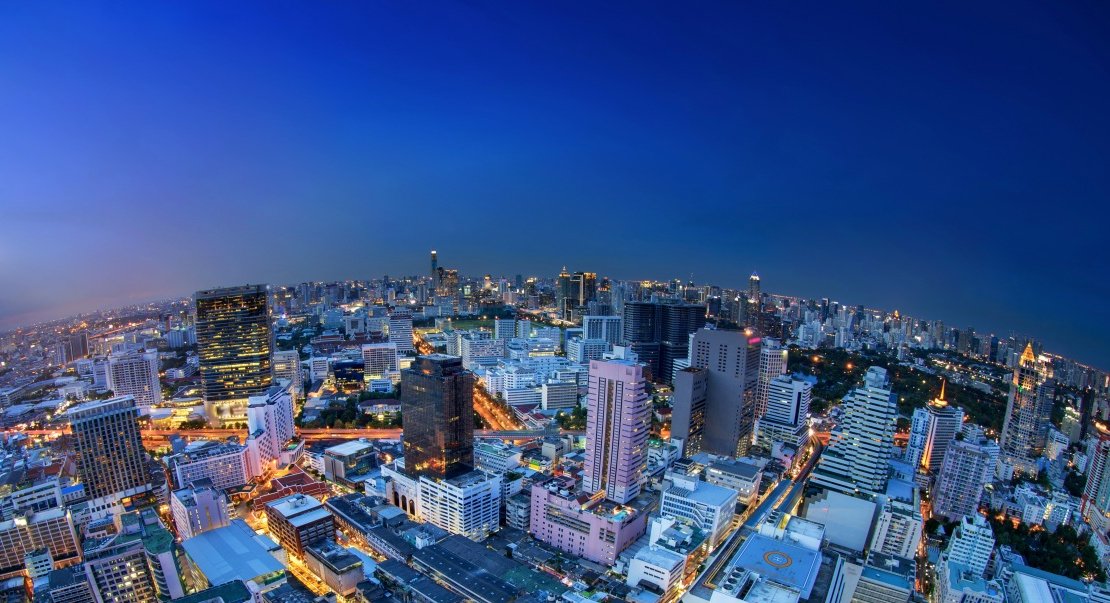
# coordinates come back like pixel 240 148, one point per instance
pixel 234 343
pixel 1028 410
pixel 198 509
pixel 858 456
pixel 287 366
pixel 28 531
pixel 110 457
pixel 135 375
pixel 224 464
pixel 618 415
pixel 437 402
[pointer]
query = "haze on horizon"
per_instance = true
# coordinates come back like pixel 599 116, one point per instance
pixel 946 160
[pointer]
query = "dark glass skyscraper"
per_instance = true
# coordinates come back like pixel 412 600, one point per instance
pixel 659 333
pixel 235 342
pixel 437 402
pixel 110 458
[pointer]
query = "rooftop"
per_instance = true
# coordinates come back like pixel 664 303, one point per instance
pixel 230 553
pixel 294 505
pixel 781 562
pixel 349 448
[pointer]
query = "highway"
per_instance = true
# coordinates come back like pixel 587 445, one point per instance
pixel 311 434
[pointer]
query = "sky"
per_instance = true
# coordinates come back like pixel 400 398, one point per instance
pixel 946 159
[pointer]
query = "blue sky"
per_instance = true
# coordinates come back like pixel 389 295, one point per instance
pixel 944 159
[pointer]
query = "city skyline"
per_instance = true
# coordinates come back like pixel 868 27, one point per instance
pixel 742 137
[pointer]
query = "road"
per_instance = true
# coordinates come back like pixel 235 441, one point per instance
pixel 310 434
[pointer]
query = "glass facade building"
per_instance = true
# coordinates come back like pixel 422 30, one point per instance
pixel 437 403
pixel 235 344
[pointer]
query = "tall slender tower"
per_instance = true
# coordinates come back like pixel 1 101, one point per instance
pixel 1027 415
pixel 435 271
pixel 110 457
pixel 437 401
pixel 618 419
pixel 755 303
pixel 1095 503
pixel 234 342
pixel 731 361
pixel 932 430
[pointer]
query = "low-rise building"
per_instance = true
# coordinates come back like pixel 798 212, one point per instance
pixel 585 525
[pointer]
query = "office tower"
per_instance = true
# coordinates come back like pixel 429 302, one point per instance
pixel 299 521
pixel 380 361
pixel 400 330
pixel 438 405
pixel 435 271
pixel 78 346
pixel 197 509
pixel 679 321
pixel 467 504
pixel 287 366
pixel 857 458
pixel 897 530
pixel 972 543
pixel 562 292
pixel 710 507
pixel 618 419
pixel 504 328
pixel 234 342
pixel 731 361
pixel 223 464
pixel 135 375
pixel 932 430
pixel 754 304
pixel 1095 502
pixel 772 364
pixel 110 456
pixel 29 531
pixel 642 322
pixel 1028 410
pixel 269 426
pixel 968 467
pixel 688 409
pixel 786 418
pixel 609 328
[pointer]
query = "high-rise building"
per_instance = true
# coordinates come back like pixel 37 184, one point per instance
pixel 618 416
pixel 972 543
pixel 688 409
pixel 380 361
pixel 1095 503
pixel 270 426
pixel 437 401
pixel 504 328
pixel 287 365
pixel 787 413
pixel 400 330
pixel 224 464
pixel 679 321
pixel 1028 411
pixel 857 459
pixel 234 342
pixel 609 328
pixel 897 530
pixel 660 333
pixel 78 346
pixel 772 364
pixel 197 509
pixel 731 361
pixel 754 305
pixel 135 375
pixel 932 430
pixel 435 271
pixel 110 457
pixel 29 531
pixel 968 467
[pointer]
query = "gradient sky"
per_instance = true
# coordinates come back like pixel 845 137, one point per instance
pixel 944 159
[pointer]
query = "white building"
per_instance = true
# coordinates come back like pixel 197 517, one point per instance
pixel 556 395
pixel 135 375
pixel 607 328
pixel 772 365
pixel 400 330
pixel 469 505
pixel 658 566
pixel 858 456
pixel 897 530
pixel 786 415
pixel 197 510
pixel 968 467
pixel 497 456
pixel 709 506
pixel 269 425
pixel 504 328
pixel 319 368
pixel 226 465
pixel 972 544
pixel 584 350
pixel 380 362
pixel 478 351
pixel 287 365
pixel 738 475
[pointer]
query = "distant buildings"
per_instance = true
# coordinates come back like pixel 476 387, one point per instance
pixel 1028 411
pixel 287 366
pixel 234 342
pixel 856 460
pixel 400 330
pixel 618 416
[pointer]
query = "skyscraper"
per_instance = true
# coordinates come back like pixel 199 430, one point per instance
pixel 135 375
pixel 688 409
pixel 234 342
pixel 972 543
pixel 772 364
pixel 400 330
pixel 287 365
pixel 966 471
pixel 435 271
pixel 618 419
pixel 110 457
pixel 660 333
pixel 858 455
pixel 731 361
pixel 1095 503
pixel 438 405
pixel 787 416
pixel 932 429
pixel 1027 415
pixel 754 304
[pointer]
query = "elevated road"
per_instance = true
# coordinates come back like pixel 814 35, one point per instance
pixel 315 434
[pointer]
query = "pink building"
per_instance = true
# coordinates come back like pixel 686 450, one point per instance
pixel 589 527
pixel 618 419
